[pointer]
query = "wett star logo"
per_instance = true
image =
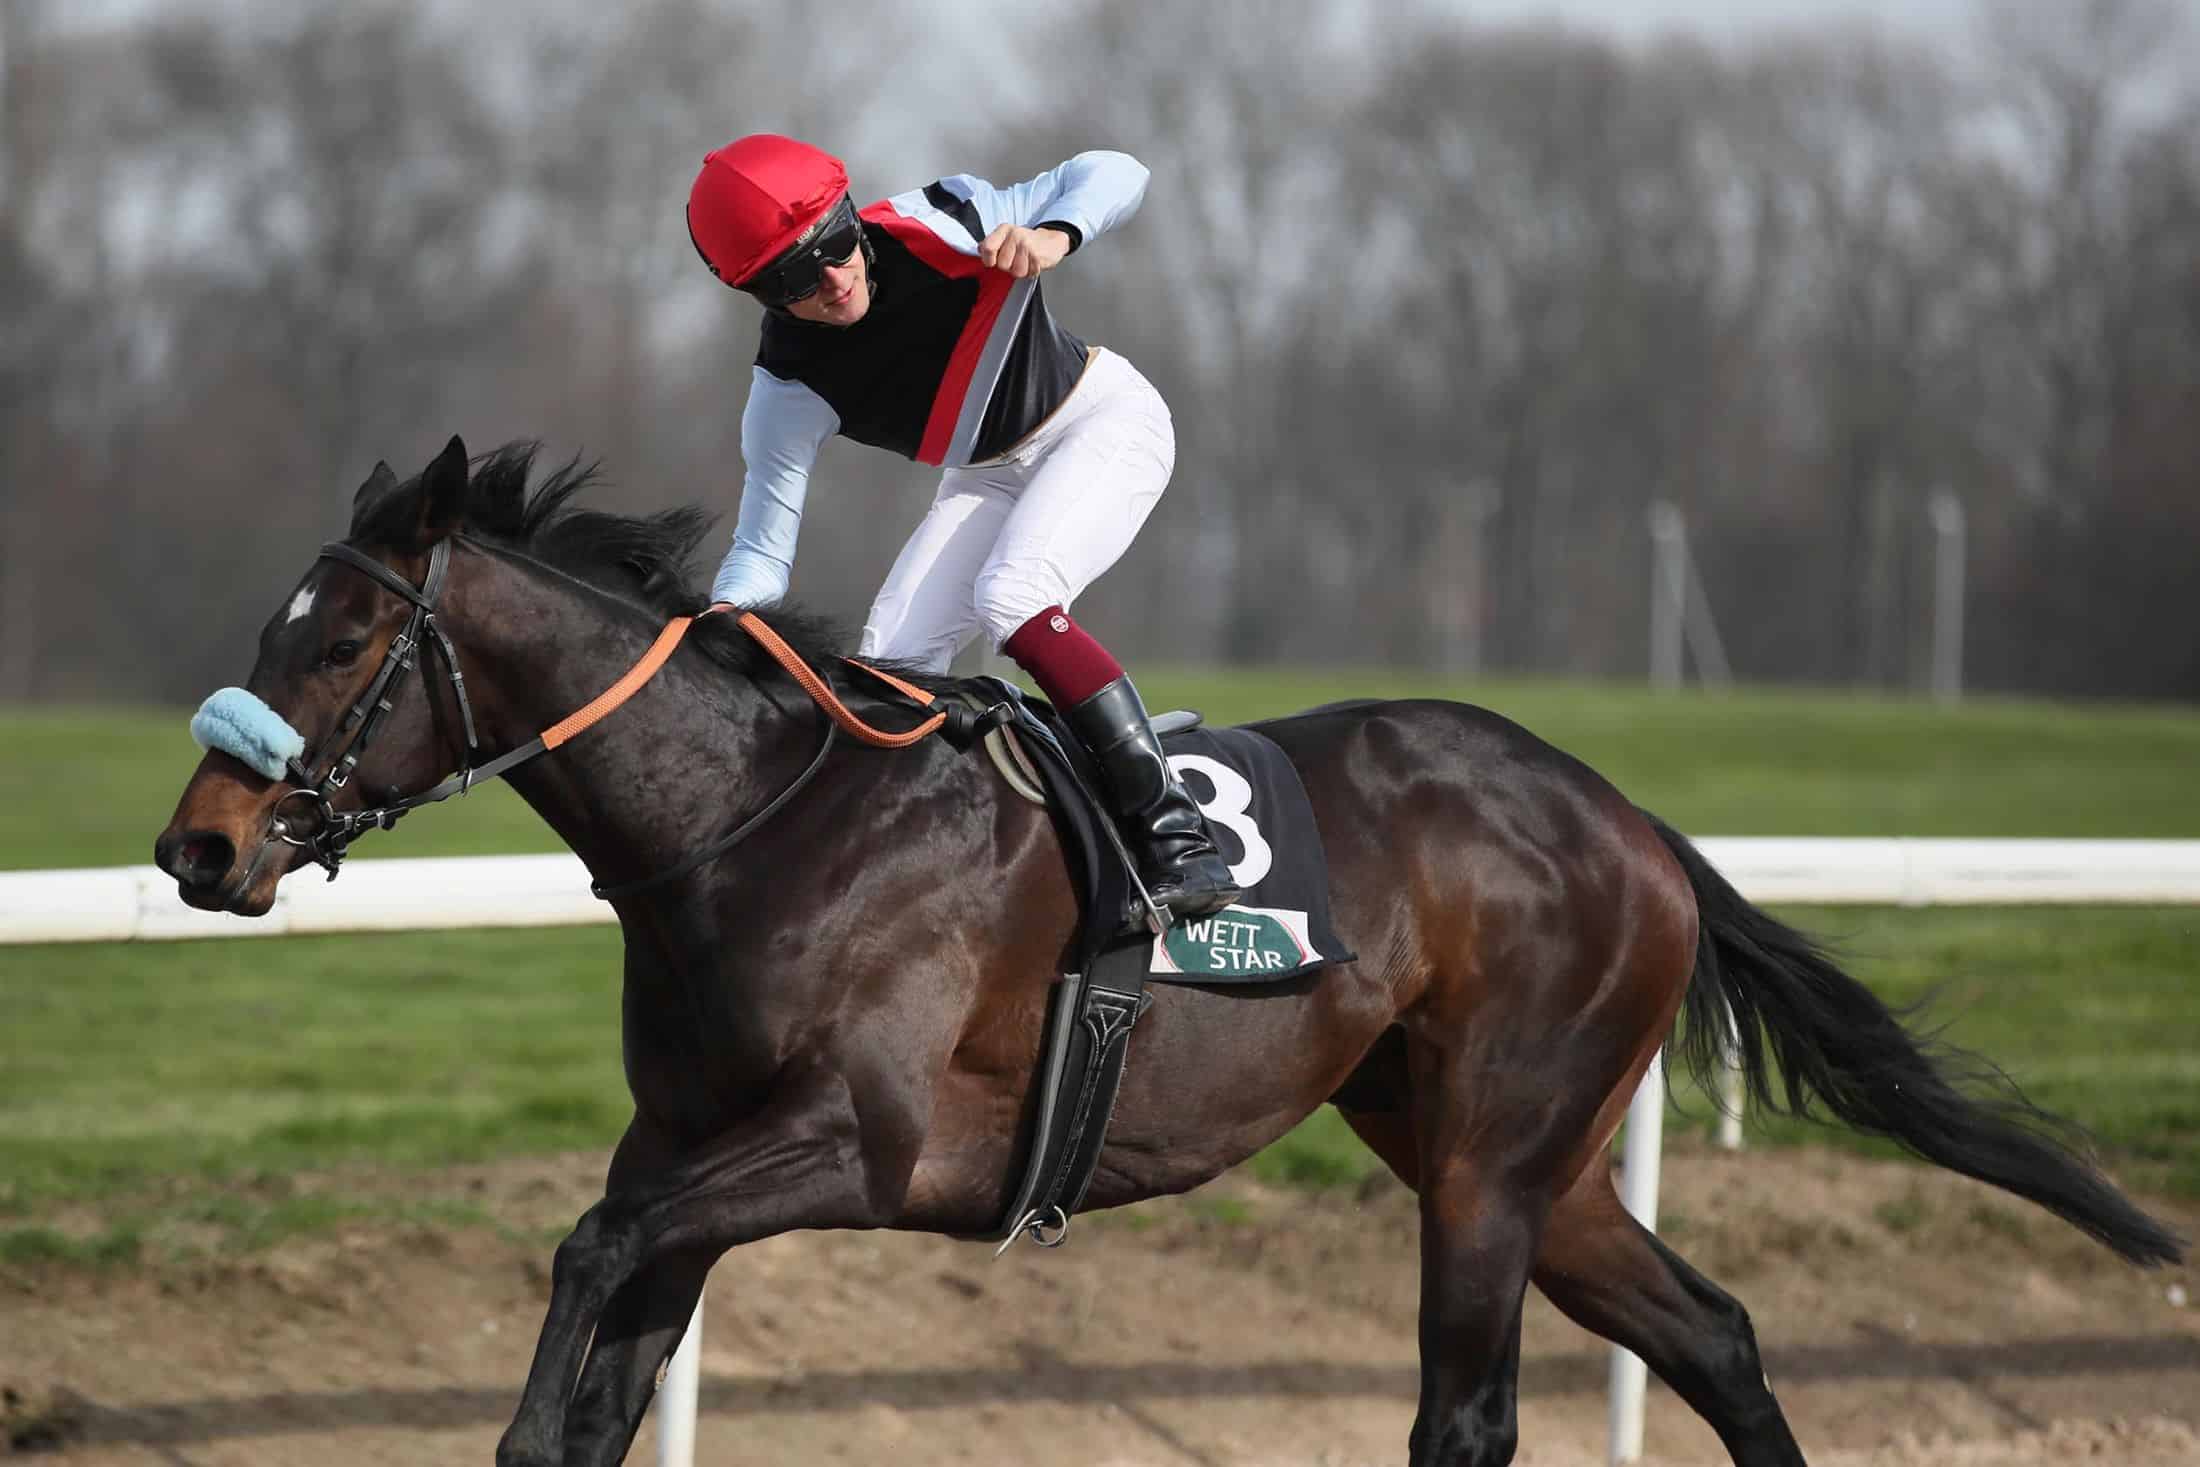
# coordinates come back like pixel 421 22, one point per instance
pixel 1234 942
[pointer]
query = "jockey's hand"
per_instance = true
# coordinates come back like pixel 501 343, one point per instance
pixel 1023 252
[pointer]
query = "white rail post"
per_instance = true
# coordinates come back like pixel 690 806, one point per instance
pixel 1668 594
pixel 1702 631
pixel 676 1398
pixel 1947 515
pixel 1639 1194
pixel 1464 532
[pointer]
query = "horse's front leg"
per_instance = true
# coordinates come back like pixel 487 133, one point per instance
pixel 640 1329
pixel 798 1163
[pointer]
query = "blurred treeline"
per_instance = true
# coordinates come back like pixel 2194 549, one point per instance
pixel 1423 295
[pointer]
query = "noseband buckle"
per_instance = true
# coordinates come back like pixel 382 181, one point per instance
pixel 333 830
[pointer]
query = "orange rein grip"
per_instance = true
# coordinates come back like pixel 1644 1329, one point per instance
pixel 641 672
pixel 815 686
pixel 907 689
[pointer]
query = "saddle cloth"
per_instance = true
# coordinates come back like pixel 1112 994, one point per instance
pixel 1257 808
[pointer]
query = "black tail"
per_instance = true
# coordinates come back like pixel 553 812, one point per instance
pixel 1840 1049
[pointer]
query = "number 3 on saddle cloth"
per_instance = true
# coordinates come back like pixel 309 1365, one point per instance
pixel 1262 823
pixel 1280 928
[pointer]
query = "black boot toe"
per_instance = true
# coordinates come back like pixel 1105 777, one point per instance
pixel 1202 886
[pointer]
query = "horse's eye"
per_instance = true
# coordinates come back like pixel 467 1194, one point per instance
pixel 343 654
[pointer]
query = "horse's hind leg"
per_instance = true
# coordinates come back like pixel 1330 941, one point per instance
pixel 1476 1248
pixel 1610 1275
pixel 1470 1318
pixel 1480 1217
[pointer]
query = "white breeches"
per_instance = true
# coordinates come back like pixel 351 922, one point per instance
pixel 1008 538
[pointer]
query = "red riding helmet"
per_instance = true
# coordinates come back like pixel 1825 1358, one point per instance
pixel 755 196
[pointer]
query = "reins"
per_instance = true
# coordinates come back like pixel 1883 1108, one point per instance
pixel 943 720
pixel 825 698
pixel 335 830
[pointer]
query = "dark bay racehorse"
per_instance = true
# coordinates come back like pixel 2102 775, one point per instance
pixel 835 1024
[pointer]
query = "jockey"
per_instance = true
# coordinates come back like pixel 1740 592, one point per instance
pixel 916 324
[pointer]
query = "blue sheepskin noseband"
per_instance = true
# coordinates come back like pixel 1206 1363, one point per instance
pixel 239 724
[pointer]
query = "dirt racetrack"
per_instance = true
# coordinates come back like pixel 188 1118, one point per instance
pixel 1907 1318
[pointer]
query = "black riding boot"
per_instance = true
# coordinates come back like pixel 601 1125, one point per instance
pixel 1177 859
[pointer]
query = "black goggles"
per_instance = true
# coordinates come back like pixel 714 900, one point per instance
pixel 800 272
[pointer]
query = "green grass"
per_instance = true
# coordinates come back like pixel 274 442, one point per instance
pixel 2093 1011
pixel 198 1223
pixel 84 787
pixel 1813 763
pixel 29 1247
pixel 121 1065
pixel 133 1072
pixel 93 787
pixel 1321 1152
pixel 131 1075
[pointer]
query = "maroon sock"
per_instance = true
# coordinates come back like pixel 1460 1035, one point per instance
pixel 1062 658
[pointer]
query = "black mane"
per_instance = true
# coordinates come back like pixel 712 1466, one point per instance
pixel 645 560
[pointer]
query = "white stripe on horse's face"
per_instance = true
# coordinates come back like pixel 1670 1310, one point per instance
pixel 300 604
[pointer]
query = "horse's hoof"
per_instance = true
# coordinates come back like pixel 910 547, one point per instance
pixel 527 1450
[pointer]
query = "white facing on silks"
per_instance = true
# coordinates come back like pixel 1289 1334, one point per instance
pixel 1006 539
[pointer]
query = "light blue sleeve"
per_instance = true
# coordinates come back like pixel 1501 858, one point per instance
pixel 783 427
pixel 1095 191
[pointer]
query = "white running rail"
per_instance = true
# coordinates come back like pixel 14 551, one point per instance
pixel 138 903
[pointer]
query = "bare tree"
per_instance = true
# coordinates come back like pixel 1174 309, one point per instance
pixel 1792 290
pixel 26 329
pixel 1219 284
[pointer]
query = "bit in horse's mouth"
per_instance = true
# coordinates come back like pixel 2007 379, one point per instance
pixel 233 897
pixel 206 899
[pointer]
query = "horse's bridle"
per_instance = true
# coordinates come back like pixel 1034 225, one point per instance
pixel 334 830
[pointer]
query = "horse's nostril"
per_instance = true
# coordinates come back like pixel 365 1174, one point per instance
pixel 201 858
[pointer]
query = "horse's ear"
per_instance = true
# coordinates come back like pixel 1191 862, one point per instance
pixel 443 490
pixel 379 483
pixel 368 505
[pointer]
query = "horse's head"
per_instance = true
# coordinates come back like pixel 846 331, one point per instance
pixel 327 724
